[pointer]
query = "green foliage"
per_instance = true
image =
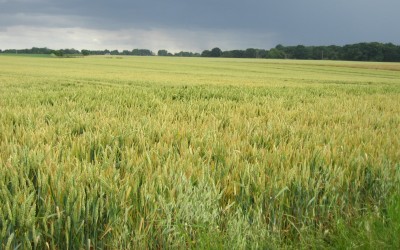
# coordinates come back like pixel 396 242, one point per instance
pixel 276 54
pixel 355 52
pixel 58 53
pixel 85 52
pixel 142 52
pixel 206 53
pixel 185 54
pixel 162 52
pixel 377 52
pixel 215 52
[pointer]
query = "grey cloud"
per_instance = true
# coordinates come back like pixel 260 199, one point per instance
pixel 173 40
pixel 41 20
pixel 259 22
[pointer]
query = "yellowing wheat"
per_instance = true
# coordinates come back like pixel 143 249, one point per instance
pixel 196 153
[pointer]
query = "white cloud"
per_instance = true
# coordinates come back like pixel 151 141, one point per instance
pixel 173 40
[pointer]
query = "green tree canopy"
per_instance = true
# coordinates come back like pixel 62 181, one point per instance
pixel 162 52
pixel 216 52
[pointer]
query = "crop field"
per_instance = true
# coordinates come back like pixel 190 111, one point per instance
pixel 198 153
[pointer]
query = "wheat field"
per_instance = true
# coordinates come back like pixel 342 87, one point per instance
pixel 198 153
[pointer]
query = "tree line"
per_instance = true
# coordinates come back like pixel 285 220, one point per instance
pixel 84 52
pixel 374 51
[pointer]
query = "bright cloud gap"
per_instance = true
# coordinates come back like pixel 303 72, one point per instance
pixel 173 40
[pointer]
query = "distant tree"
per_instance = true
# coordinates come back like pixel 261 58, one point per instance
pixel 114 52
pixel 206 53
pixel 70 51
pixel 351 53
pixel 185 54
pixel 391 53
pixel 276 54
pixel 300 52
pixel 142 52
pixel 95 52
pixel 227 54
pixel 250 53
pixel 136 52
pixel 316 53
pixel 280 51
pixel 162 52
pixel 58 53
pixel 35 50
pixel 10 51
pixel 374 51
pixel 85 52
pixel 332 52
pixel 216 52
pixel 262 53
pixel 238 53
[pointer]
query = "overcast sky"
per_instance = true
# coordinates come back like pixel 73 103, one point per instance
pixel 195 25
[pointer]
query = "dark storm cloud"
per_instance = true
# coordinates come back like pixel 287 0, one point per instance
pixel 231 23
